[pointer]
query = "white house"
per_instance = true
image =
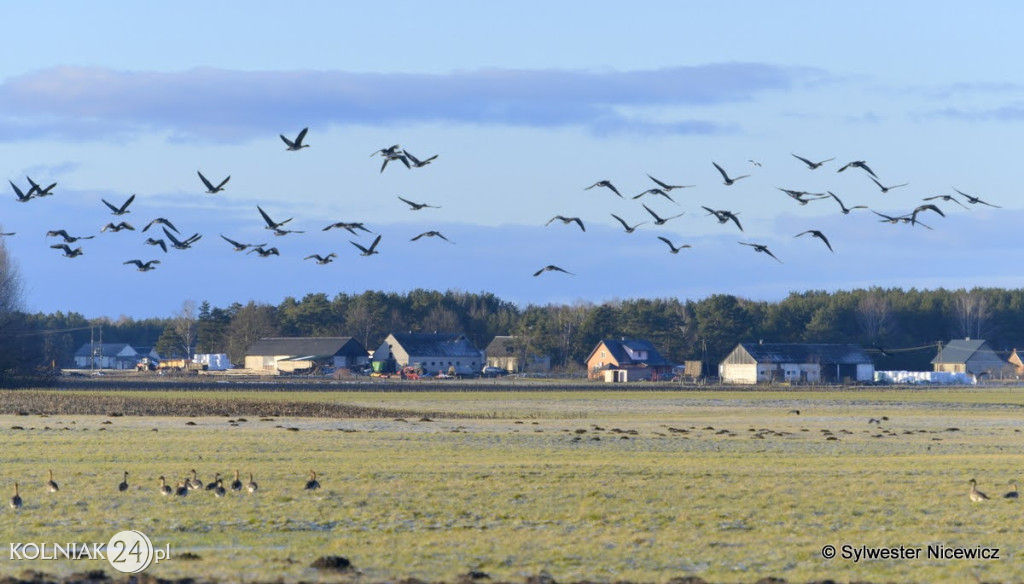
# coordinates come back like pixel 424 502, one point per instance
pixel 106 356
pixel 796 363
pixel 434 352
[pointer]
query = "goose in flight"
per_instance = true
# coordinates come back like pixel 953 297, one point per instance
pixel 566 221
pixel 672 247
pixel 432 234
pixel 899 219
pixel 947 198
pixel 295 145
pixel 122 209
pixel 241 246
pixel 819 235
pixel 39 191
pixel 114 228
pixel 178 244
pixel 390 153
pixel 416 206
pixel 626 225
pixel 846 210
pixel 811 165
pixel 974 200
pixel 761 249
pixel 655 192
pixel 667 187
pixel 349 226
pixel 724 216
pixel 659 220
pixel 923 208
pixel 271 224
pixel 416 162
pixel 884 188
pixel 322 260
pixel 143 266
pixel 264 252
pixel 68 252
pixel 67 238
pixel 209 185
pixel 606 184
pixel 551 269
pixel 160 242
pixel 858 164
pixel 22 197
pixel 728 181
pixel 280 232
pixel 161 221
pixel 368 251
pixel 802 196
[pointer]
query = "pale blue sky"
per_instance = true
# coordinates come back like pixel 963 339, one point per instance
pixel 526 104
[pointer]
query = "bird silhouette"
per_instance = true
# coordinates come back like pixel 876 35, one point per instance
pixel 68 252
pixel 947 198
pixel 724 216
pixel 115 227
pixel 551 268
pixel 271 224
pixel 761 249
pixel 393 155
pixel 625 225
pixel 22 197
pixel 846 210
pixel 803 197
pixel 181 244
pixel 606 184
pixel 241 246
pixel 416 206
pixel 143 266
pixel 672 247
pixel 566 221
pixel 811 165
pixel 159 242
pixel 296 144
pixel 923 208
pixel 656 192
pixel 39 191
pixel 431 234
pixel 264 252
pixel 122 209
pixel 322 260
pixel 725 177
pixel 67 238
pixel 368 251
pixel 209 185
pixel 975 200
pixel 161 221
pixel 667 187
pixel 660 220
pixel 416 162
pixel 858 164
pixel 819 235
pixel 884 188
pixel 347 226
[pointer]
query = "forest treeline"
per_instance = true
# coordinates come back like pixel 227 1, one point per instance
pixel 900 328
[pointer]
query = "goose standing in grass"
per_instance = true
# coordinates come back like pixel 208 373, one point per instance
pixel 975 494
pixel 312 484
pixel 16 499
pixel 193 483
pixel 219 489
pixel 1012 494
pixel 236 485
pixel 182 488
pixel 51 485
pixel 251 486
pixel 123 486
pixel 165 489
pixel 216 481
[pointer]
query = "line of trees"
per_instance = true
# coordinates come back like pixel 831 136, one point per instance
pixel 907 324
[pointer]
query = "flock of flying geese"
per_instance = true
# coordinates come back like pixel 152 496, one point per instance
pixel 173 238
pixel 725 216
pixel 182 488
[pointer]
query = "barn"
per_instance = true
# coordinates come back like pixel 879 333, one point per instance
pixel 796 363
pixel 434 352
pixel 968 356
pixel 273 355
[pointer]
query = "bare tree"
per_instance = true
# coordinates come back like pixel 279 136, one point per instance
pixel 186 325
pixel 874 315
pixel 972 312
pixel 251 323
pixel 11 294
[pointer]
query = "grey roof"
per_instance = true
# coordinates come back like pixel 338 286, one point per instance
pixel 501 346
pixel 617 347
pixel 321 347
pixel 436 344
pixel 834 354
pixel 962 350
pixel 104 349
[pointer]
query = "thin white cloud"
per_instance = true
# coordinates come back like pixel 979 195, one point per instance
pixel 222 105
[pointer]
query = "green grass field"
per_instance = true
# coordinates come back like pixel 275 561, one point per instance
pixel 639 486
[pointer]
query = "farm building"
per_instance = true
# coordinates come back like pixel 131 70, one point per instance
pixel 106 356
pixel 796 363
pixel 968 356
pixel 505 353
pixel 626 360
pixel 1017 364
pixel 275 355
pixel 434 352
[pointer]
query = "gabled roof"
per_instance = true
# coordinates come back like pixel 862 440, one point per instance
pixel 833 354
pixel 501 346
pixel 102 349
pixel 436 344
pixel 962 350
pixel 618 349
pixel 310 347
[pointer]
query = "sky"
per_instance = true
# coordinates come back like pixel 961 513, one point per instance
pixel 526 105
